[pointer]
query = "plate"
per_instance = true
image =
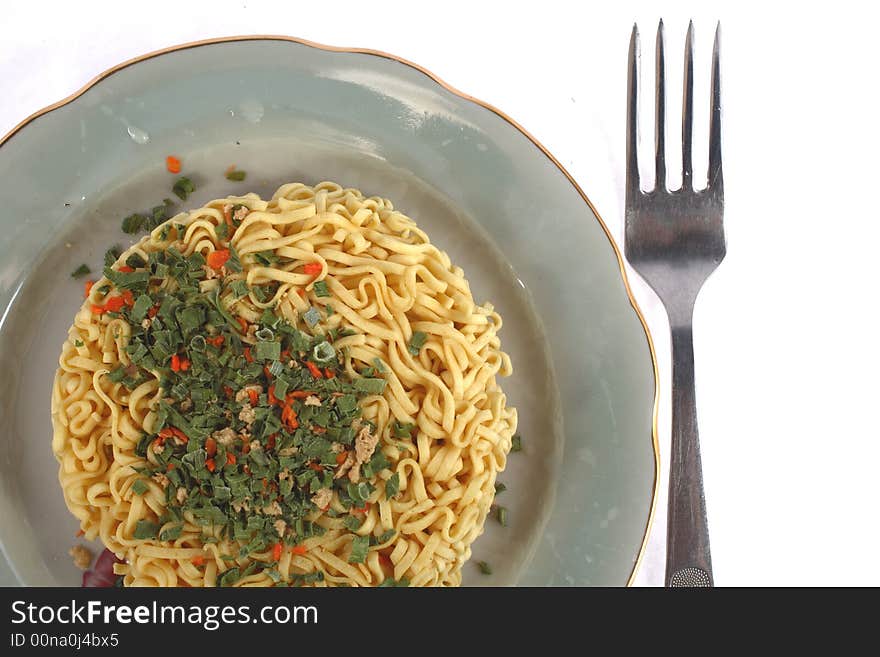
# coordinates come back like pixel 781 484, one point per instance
pixel 581 493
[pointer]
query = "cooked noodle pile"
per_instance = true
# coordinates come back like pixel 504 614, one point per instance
pixel 386 284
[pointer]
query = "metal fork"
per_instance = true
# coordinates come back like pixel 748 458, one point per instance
pixel 675 240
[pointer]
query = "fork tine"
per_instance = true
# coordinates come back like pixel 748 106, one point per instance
pixel 715 176
pixel 687 113
pixel 660 115
pixel 632 116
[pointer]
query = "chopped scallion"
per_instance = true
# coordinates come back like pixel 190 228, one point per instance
pixel 267 351
pixel 112 255
pixel 324 354
pixel 171 533
pixel 266 258
pixel 416 342
pixel 516 443
pixel 239 289
pixel 141 306
pixel 359 548
pixel 81 271
pixel 321 289
pixel 392 486
pixel 370 386
pixel 404 430
pixel 265 334
pixel 183 187
pixel 234 262
pixel 311 317
pixel 145 529
pixel 133 223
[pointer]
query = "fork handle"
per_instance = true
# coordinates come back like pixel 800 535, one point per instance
pixel 688 561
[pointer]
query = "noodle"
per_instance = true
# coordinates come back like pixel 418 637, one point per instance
pixel 388 285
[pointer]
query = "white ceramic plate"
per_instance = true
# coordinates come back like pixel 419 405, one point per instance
pixel 580 495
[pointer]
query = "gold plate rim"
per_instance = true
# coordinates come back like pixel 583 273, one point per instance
pixel 379 53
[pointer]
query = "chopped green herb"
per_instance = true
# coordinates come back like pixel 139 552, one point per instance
pixel 145 529
pixel 78 343
pixel 386 536
pixel 485 568
pixel 321 289
pixel 141 306
pixel 183 187
pixel 359 548
pixel 311 317
pixel 172 533
pixel 80 271
pixel 133 223
pixel 267 350
pixel 116 374
pixel 501 515
pixel 230 577
pixel 346 404
pixel 391 582
pixel 127 280
pixel 236 175
pixel 135 261
pixel 139 487
pixel 516 443
pixel 370 386
pixel 266 258
pixel 234 262
pixel 112 255
pixel 352 523
pixel 392 486
pixel 416 342
pixel 158 214
pixel 239 289
pixel 328 309
pixel 404 430
pixel 324 354
pixel 265 334
pixel 377 363
pixel 221 231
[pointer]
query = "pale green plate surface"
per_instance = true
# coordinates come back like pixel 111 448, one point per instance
pixel 580 494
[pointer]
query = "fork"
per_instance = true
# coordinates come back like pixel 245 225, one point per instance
pixel 675 240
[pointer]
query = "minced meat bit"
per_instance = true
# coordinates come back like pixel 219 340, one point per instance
pixel 82 556
pixel 225 436
pixel 322 498
pixel 240 213
pixel 273 509
pixel 244 394
pixel 247 414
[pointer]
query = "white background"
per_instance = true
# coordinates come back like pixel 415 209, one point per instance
pixel 785 339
